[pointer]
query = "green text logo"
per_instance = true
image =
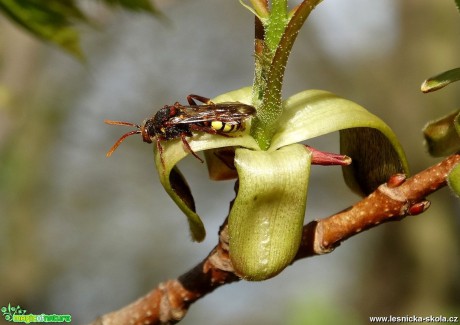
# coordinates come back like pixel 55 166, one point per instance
pixel 18 315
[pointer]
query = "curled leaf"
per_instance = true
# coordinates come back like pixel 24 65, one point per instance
pixel 265 223
pixel 174 151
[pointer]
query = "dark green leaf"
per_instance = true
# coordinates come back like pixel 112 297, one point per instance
pixel 50 20
pixel 54 20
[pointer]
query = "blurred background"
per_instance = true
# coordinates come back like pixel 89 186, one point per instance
pixel 85 235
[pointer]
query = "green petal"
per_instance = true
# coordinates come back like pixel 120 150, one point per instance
pixel 174 151
pixel 441 80
pixel 372 145
pixel 265 223
pixel 182 195
pixel 453 179
pixel 242 95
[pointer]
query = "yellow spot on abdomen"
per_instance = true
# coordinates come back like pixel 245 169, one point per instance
pixel 221 126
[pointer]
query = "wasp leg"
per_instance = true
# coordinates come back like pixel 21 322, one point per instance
pixel 160 150
pixel 204 100
pixel 202 128
pixel 187 146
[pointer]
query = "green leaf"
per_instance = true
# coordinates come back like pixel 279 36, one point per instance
pixel 174 151
pixel 441 80
pixel 453 179
pixel 266 220
pixel 50 20
pixel 376 153
pixel 54 20
pixel 442 136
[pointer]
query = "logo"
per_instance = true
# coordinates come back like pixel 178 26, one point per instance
pixel 18 315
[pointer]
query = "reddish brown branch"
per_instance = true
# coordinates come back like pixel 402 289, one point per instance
pixel 391 201
pixel 169 302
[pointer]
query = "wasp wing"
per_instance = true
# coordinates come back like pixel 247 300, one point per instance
pixel 224 112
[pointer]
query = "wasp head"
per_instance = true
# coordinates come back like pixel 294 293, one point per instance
pixel 141 129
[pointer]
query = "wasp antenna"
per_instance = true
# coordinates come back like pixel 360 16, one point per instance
pixel 122 138
pixel 121 123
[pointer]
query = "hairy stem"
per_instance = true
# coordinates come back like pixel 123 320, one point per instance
pixel 270 68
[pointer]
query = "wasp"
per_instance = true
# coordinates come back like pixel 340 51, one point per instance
pixel 179 122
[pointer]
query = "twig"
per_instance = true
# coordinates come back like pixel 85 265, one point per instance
pixel 392 201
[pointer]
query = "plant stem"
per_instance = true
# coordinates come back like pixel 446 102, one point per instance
pixel 271 65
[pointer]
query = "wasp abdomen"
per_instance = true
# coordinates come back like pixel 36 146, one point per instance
pixel 221 127
pixel 224 127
